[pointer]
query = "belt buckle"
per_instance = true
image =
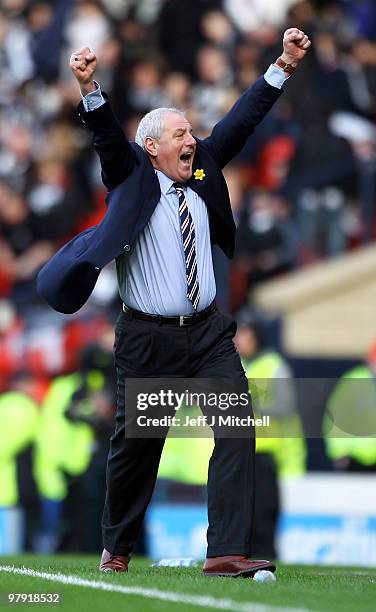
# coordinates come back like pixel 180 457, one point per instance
pixel 181 320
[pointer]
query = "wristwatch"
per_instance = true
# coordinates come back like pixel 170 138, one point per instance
pixel 289 68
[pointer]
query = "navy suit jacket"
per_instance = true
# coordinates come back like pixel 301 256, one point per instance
pixel 68 279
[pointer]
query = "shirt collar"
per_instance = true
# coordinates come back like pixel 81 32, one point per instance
pixel 166 183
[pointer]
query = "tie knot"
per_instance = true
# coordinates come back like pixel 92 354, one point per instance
pixel 178 186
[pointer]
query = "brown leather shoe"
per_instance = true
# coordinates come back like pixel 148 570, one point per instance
pixel 235 566
pixel 113 563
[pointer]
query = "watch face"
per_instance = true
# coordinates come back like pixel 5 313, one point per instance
pixel 289 68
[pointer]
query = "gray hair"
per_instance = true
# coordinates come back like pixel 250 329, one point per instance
pixel 152 125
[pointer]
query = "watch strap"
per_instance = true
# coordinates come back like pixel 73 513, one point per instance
pixel 289 68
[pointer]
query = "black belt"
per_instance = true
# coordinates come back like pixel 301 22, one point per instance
pixel 181 320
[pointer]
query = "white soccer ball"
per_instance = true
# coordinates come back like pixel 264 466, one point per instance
pixel 264 576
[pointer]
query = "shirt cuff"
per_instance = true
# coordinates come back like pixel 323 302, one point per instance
pixel 93 100
pixel 275 76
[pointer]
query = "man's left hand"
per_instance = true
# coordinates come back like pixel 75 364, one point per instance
pixel 295 46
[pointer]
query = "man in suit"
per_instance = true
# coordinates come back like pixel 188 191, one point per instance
pixel 167 203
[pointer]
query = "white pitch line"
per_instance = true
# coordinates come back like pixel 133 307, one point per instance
pixel 204 601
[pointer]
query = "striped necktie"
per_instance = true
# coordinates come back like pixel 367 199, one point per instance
pixel 189 245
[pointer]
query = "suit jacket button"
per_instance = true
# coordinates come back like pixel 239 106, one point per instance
pixel 127 247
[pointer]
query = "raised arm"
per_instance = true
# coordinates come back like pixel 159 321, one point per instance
pixel 230 134
pixel 115 153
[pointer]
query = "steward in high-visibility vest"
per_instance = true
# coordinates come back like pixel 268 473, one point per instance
pixel 273 393
pixel 62 447
pixel 18 426
pixel 186 460
pixel 350 421
pixel 69 462
pixel 280 447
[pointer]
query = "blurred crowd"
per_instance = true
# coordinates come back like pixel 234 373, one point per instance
pixel 303 188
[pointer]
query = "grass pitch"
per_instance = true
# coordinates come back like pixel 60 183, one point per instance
pixel 146 589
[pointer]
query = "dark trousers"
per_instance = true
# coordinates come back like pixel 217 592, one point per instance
pixel 204 350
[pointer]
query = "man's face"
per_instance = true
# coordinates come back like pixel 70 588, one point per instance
pixel 174 151
pixel 246 342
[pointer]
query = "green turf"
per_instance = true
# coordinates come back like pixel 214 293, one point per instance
pixel 313 588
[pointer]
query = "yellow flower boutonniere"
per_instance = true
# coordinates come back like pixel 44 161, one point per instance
pixel 199 174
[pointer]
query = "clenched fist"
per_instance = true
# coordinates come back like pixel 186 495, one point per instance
pixel 83 64
pixel 295 45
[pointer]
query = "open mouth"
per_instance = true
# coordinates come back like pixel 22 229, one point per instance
pixel 186 157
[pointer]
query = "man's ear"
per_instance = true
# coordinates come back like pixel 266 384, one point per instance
pixel 150 146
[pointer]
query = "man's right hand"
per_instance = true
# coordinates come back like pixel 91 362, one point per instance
pixel 83 64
